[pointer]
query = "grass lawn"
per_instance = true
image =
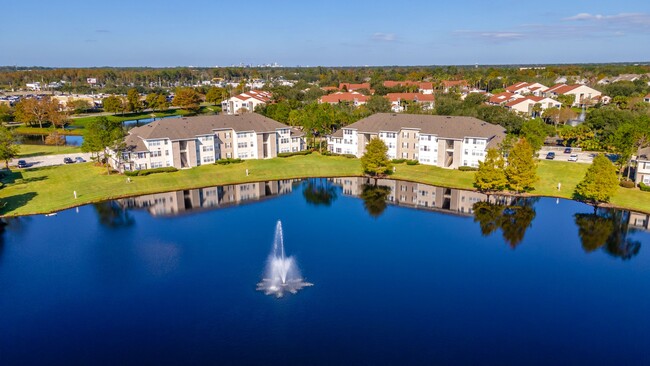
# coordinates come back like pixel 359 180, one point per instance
pixel 27 151
pixel 47 189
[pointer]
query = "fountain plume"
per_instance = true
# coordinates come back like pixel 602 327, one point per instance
pixel 282 274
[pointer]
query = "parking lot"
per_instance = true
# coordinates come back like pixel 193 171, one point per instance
pixel 583 156
pixel 49 160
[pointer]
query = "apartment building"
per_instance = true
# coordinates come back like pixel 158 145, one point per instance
pixel 192 141
pixel 245 102
pixel 444 141
pixel 526 105
pixel 643 166
pixel 583 94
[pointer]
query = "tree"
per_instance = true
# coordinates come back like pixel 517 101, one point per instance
pixel 101 135
pixel 214 95
pixel 157 101
pixel 8 148
pixel 375 160
pixel 566 99
pixel 34 111
pixel 133 103
pixel 6 113
pixel 600 182
pixel 374 198
pixel 55 138
pixel 78 106
pixel 187 98
pixel 113 104
pixel 378 104
pixel 491 174
pixel 535 132
pixel 521 171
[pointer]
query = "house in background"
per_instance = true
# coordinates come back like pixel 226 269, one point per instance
pixel 503 97
pixel 352 87
pixel 647 98
pixel 193 141
pixel 524 88
pixel 526 105
pixel 353 98
pixel 584 95
pixel 459 86
pixel 423 87
pixel 245 102
pixel 444 141
pixel 399 101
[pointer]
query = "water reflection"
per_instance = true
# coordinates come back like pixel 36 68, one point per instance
pixel 180 202
pixel 319 191
pixel 609 229
pixel 112 215
pixel 513 216
pixel 375 198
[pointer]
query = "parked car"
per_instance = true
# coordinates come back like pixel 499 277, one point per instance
pixel 22 164
pixel 68 160
pixel 79 159
pixel 568 150
pixel 550 156
pixel 573 157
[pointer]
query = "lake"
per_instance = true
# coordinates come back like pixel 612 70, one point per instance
pixel 70 140
pixel 402 273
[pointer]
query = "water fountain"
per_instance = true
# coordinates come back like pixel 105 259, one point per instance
pixel 282 273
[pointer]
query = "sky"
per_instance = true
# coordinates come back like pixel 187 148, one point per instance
pixel 164 33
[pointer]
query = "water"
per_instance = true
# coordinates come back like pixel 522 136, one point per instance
pixel 143 121
pixel 403 274
pixel 40 140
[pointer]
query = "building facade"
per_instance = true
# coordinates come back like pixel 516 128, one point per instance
pixel 444 141
pixel 245 102
pixel 643 166
pixel 194 141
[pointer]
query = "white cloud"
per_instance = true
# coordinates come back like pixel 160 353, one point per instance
pixel 622 19
pixel 384 37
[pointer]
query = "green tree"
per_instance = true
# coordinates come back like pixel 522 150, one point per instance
pixel 566 99
pixel 491 175
pixel 34 111
pixel 133 102
pixel 375 160
pixel 600 182
pixel 521 171
pixel 187 98
pixel 378 104
pixel 535 131
pixel 6 113
pixel 113 104
pixel 214 95
pixel 101 135
pixel 8 147
pixel 78 106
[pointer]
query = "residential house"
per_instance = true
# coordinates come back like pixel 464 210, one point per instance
pixel 647 98
pixel 503 97
pixel 524 88
pixel 192 141
pixel 400 101
pixel 643 166
pixel 245 102
pixel 584 95
pixel 352 98
pixel 460 86
pixel 526 105
pixel 352 87
pixel 444 141
pixel 423 87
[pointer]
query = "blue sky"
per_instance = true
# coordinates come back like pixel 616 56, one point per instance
pixel 328 33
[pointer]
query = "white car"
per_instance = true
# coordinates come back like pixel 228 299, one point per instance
pixel 573 157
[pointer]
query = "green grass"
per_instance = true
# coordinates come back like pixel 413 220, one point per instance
pixel 83 121
pixel 27 151
pixel 41 190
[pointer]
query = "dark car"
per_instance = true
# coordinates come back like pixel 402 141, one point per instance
pixel 550 156
pixel 79 159
pixel 68 160
pixel 568 150
pixel 22 164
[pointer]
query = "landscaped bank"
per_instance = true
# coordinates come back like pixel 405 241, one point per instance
pixel 48 189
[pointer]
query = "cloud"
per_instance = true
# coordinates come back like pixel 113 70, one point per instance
pixel 102 31
pixel 384 37
pixel 491 36
pixel 622 19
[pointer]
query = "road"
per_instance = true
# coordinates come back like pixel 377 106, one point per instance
pixel 49 160
pixel 586 157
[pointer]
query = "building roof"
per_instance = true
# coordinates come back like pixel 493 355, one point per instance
pixel 513 88
pixel 395 97
pixel 451 83
pixel 351 87
pixel 190 127
pixel 454 127
pixel 647 96
pixel 343 96
pixel 562 88
pixel 260 95
pixel 501 97
pixel 644 154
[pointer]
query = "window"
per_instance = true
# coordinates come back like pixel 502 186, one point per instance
pixel 155 154
pixel 156 165
pixel 405 145
pixel 241 135
pixel 228 145
pixel 243 155
pixel 242 145
pixel 141 155
pixel 154 143
pixel 208 148
pixel 208 159
pixel 206 138
pixel 284 141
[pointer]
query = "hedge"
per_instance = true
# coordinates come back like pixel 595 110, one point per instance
pixel 349 156
pixel 412 162
pixel 466 168
pixel 143 172
pixel 288 154
pixel 398 161
pixel 228 161
pixel 627 183
pixel 644 187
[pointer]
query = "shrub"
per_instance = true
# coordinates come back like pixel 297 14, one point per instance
pixel 349 156
pixel 228 161
pixel 144 172
pixel 398 161
pixel 644 187
pixel 412 162
pixel 288 154
pixel 466 168
pixel 627 183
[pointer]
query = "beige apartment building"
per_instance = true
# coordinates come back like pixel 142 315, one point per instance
pixel 444 141
pixel 192 141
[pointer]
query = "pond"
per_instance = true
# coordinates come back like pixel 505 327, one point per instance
pixel 143 121
pixel 393 273
pixel 40 140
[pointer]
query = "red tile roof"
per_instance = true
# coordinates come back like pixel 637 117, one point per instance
pixel 395 97
pixel 501 97
pixel 351 87
pixel 513 88
pixel 343 96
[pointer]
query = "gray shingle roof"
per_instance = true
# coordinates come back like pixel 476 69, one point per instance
pixel 454 127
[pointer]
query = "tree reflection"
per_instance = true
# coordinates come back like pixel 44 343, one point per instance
pixel 513 219
pixel 607 229
pixel 374 198
pixel 319 192
pixel 111 215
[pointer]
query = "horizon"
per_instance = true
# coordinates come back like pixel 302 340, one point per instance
pixel 336 34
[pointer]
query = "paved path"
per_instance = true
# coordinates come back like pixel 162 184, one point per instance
pixel 49 160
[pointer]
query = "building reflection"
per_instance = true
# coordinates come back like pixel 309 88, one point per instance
pixel 608 229
pixel 180 202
